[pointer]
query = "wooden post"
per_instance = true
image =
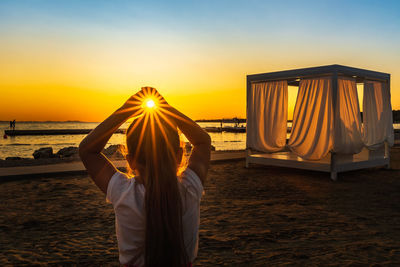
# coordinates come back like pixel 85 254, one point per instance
pixel 248 91
pixel 248 153
pixel 334 100
pixel 333 166
pixel 387 148
pixel 387 155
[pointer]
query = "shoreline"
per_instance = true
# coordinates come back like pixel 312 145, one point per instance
pixel 71 166
pixel 26 162
pixel 77 167
pixel 112 152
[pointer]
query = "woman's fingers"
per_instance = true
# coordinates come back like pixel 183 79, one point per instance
pixel 149 91
pixel 136 100
pixel 160 98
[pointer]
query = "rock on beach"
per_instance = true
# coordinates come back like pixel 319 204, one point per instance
pixel 66 152
pixel 114 151
pixel 43 153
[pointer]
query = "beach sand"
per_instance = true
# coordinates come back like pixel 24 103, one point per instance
pixel 262 216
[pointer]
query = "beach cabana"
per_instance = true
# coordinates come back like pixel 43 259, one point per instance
pixel 328 132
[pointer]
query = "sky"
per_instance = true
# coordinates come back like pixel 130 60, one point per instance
pixel 80 60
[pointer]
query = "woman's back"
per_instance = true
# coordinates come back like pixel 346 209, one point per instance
pixel 128 196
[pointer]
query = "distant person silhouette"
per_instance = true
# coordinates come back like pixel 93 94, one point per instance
pixel 13 124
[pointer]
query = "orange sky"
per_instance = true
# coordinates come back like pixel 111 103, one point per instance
pixel 59 65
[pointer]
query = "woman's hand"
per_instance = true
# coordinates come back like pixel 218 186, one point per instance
pixel 160 98
pixel 134 103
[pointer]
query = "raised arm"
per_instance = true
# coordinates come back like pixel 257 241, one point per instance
pixel 199 160
pixel 98 166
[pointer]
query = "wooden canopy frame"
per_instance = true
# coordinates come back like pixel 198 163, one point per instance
pixel 333 162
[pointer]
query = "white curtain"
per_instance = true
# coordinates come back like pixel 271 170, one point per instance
pixel 377 115
pixel 312 131
pixel 267 116
pixel 347 137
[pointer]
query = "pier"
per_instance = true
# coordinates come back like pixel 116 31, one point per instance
pixel 225 129
pixel 122 131
pixel 52 132
pixel 119 131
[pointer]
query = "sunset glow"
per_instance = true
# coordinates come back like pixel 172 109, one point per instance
pixel 63 60
pixel 150 103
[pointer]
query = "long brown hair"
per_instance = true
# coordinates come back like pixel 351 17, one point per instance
pixel 154 146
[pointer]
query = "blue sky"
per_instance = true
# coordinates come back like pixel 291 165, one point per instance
pixel 208 46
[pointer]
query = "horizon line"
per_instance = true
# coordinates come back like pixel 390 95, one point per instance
pixel 198 120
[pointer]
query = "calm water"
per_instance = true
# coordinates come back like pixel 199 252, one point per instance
pixel 24 146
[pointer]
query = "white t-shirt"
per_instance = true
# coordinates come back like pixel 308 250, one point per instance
pixel 127 197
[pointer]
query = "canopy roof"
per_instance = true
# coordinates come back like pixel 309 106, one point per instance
pixel 293 76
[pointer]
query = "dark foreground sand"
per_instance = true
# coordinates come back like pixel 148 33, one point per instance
pixel 263 216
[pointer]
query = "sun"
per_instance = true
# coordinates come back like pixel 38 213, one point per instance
pixel 149 103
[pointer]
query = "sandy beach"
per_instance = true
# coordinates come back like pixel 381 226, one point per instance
pixel 249 217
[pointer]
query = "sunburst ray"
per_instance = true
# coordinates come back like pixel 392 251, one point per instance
pixel 169 146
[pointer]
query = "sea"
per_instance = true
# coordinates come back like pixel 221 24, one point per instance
pixel 24 146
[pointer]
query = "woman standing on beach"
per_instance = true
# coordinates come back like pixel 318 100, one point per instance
pixel 156 212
